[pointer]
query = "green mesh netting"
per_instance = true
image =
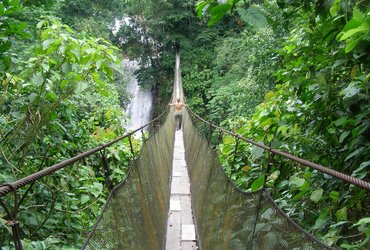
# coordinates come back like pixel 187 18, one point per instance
pixel 225 216
pixel 135 215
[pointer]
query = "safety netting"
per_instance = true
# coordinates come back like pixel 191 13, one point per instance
pixel 228 218
pixel 135 214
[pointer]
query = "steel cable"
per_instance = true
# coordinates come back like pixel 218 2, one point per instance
pixel 322 169
pixel 50 170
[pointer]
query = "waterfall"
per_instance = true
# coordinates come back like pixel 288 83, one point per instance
pixel 139 109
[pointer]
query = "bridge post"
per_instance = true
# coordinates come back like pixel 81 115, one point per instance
pixel 142 134
pixel 108 181
pixel 234 159
pixel 220 135
pixel 258 208
pixel 12 222
pixel 210 133
pixel 131 147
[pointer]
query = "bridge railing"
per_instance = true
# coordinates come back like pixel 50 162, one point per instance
pixel 253 209
pixel 13 187
pixel 344 177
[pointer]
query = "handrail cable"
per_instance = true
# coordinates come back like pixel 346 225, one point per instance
pixel 5 189
pixel 331 172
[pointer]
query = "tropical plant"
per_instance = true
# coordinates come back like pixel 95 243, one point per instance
pixel 56 104
pixel 319 111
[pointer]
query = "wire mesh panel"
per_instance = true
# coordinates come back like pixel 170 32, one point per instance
pixel 135 214
pixel 225 216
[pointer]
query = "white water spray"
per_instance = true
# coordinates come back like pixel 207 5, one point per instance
pixel 139 109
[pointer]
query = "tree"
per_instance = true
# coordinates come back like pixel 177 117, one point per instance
pixel 56 104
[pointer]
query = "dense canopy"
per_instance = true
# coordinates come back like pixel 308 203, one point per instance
pixel 293 75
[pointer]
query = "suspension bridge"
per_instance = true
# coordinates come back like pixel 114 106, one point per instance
pixel 176 195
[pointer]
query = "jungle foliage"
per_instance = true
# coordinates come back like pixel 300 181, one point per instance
pixel 58 97
pixel 289 74
pixel 318 110
pixel 150 38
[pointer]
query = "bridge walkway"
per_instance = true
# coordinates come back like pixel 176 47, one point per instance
pixel 180 225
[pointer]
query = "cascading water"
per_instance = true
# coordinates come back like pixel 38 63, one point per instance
pixel 139 109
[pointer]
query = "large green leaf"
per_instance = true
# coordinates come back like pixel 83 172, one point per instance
pixel 334 195
pixel 351 90
pixel 84 198
pixel 343 136
pixel 253 16
pixel 296 182
pixel 258 183
pixel 351 44
pixel 220 9
pixel 341 121
pixel 316 195
pixel 37 79
pixel 361 171
pixel 199 9
pixel 342 214
pixel 257 152
pixel 228 139
pixel 322 220
pixel 358 15
pixel 363 221
pixel 335 7
pixel 46 43
pixel 363 29
pixel 354 153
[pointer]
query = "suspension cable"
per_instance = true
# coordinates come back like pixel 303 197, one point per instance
pixel 50 170
pixel 322 169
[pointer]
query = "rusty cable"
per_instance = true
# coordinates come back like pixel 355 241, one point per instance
pixel 5 188
pixel 32 184
pixel 322 169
